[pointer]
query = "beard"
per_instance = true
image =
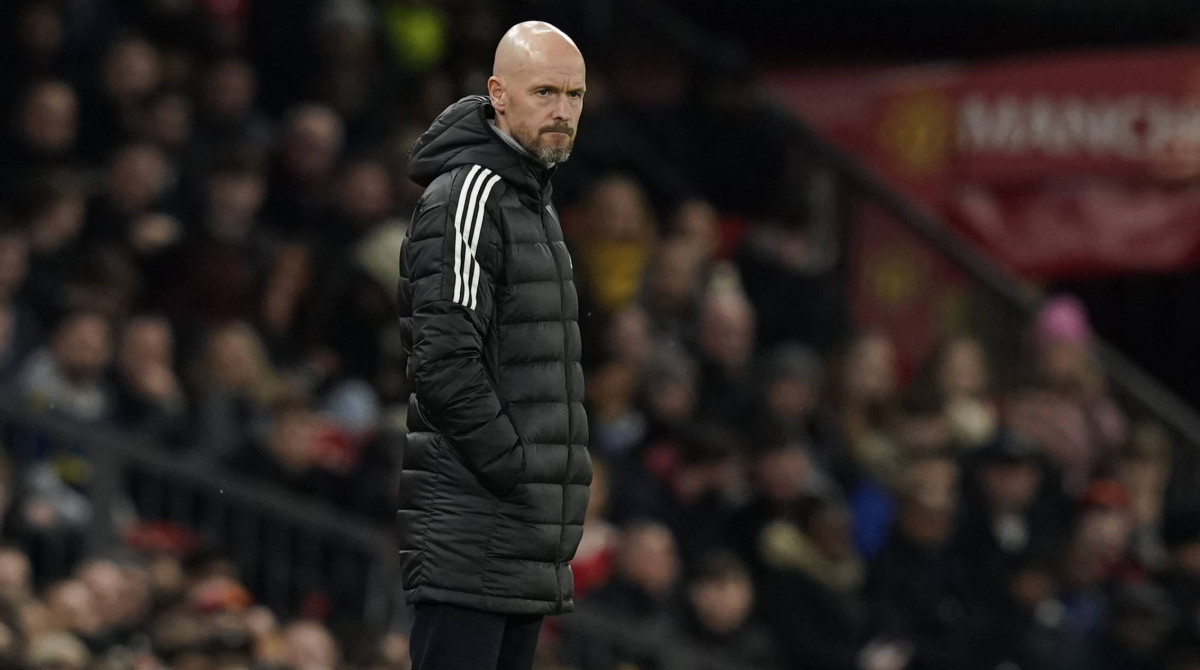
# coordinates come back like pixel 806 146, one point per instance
pixel 547 155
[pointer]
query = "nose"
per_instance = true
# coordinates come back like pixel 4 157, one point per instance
pixel 562 108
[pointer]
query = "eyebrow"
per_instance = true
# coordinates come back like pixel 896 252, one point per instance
pixel 555 88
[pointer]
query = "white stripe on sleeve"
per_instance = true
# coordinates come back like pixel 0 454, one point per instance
pixel 468 254
pixel 474 290
pixel 459 241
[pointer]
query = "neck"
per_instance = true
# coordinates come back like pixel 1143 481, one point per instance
pixel 508 138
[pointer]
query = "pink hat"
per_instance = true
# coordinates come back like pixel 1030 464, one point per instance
pixel 1062 318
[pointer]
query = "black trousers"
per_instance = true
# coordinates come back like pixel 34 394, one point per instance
pixel 445 637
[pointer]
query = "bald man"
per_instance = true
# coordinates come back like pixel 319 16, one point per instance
pixel 495 473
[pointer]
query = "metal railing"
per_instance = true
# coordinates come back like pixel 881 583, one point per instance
pixel 286 546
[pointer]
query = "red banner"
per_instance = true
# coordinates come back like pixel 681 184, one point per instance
pixel 1057 166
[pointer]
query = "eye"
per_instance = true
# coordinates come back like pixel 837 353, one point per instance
pixel 576 94
pixel 543 91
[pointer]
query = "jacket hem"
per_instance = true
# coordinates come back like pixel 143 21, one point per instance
pixel 495 604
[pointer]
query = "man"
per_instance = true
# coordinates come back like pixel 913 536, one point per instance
pixel 495 476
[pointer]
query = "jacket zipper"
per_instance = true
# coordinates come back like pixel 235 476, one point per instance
pixel 562 308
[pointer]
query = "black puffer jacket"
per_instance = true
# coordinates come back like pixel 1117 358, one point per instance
pixel 496 470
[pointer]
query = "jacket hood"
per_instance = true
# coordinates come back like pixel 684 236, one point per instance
pixel 462 135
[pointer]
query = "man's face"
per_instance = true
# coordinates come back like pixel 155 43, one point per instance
pixel 541 103
pixel 83 348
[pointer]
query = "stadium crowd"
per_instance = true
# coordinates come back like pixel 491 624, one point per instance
pixel 203 204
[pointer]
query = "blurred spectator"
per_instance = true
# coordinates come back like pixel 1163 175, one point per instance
pixel 673 288
pixel 349 75
pixel 32 44
pixel 698 222
pixel 137 180
pixel 363 200
pixel 691 485
pixel 864 395
pixel 1105 525
pixel 220 274
pixel 52 210
pixel 16 577
pixel 615 426
pixel 726 351
pixel 12 637
pixel 45 131
pixel 59 651
pixel 168 124
pixel 1181 575
pixel 302 177
pixel 106 281
pixel 1066 409
pixel 293 453
pixel 17 329
pixel 613 241
pixel 641 591
pixel 73 609
pixel 668 392
pixel 235 388
pixel 1013 509
pixel 789 277
pixel 106 583
pixel 789 408
pixel 783 477
pixel 149 396
pixel 129 75
pixel 1142 467
pixel 716 616
pixel 811 560
pixel 594 559
pixel 351 320
pixel 179 30
pixel 283 300
pixel 226 115
pixel 647 570
pixel 1135 633
pixel 919 585
pixel 68 376
pixel 310 647
pixel 628 337
pixel 957 378
pixel 1029 628
pixel 920 424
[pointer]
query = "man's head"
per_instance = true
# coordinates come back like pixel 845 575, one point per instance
pixel 49 120
pixel 313 138
pixel 137 177
pixel 721 593
pixel 146 342
pixel 727 329
pixel 310 646
pixel 646 556
pixel 537 88
pixel 104 579
pixel 73 607
pixel 228 89
pixel 15 576
pixel 82 347
pixel 928 500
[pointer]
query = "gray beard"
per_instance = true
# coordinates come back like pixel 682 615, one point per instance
pixel 551 156
pixel 547 156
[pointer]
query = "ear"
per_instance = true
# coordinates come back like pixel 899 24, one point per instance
pixel 496 93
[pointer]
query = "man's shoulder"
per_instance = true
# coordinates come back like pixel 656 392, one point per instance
pixel 471 177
